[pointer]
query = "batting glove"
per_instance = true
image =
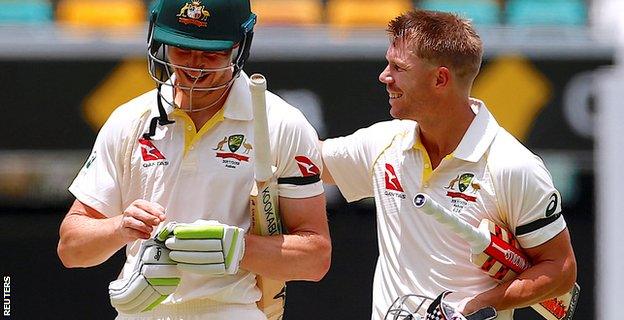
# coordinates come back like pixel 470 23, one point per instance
pixel 205 247
pixel 154 278
pixel 439 309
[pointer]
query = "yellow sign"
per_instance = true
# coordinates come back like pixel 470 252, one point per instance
pixel 514 91
pixel 127 81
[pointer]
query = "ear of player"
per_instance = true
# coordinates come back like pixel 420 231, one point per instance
pixel 439 309
pixel 153 279
pixel 205 247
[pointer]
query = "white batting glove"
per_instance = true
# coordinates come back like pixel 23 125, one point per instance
pixel 155 277
pixel 205 247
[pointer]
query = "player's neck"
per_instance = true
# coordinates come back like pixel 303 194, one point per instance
pixel 208 105
pixel 440 138
pixel 200 118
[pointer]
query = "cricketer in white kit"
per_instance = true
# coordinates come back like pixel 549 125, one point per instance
pixel 448 146
pixel 171 171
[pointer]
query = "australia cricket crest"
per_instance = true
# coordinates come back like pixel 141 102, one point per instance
pixel 194 13
pixel 462 189
pixel 236 155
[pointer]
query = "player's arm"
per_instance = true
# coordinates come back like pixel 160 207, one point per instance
pixel 88 237
pixel 553 273
pixel 303 254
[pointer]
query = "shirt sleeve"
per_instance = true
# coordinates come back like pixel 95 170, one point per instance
pixel 350 159
pixel 532 203
pixel 97 184
pixel 297 156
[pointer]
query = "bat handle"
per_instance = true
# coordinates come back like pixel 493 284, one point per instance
pixel 262 151
pixel 477 239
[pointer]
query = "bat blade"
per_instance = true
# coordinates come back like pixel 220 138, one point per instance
pixel 559 308
pixel 488 263
pixel 265 221
pixel 502 258
pixel 265 209
pixel 264 204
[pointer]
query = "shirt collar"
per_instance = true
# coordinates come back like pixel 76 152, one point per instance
pixel 479 135
pixel 237 105
pixel 410 137
pixel 475 141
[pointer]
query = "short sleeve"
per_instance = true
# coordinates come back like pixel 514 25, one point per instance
pixel 298 156
pixel 97 184
pixel 350 159
pixel 532 203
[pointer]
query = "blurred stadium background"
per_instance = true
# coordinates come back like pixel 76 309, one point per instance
pixel 66 64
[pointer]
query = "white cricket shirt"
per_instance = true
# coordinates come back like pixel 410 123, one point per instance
pixel 198 174
pixel 490 175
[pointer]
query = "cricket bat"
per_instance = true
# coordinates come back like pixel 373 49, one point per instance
pixel 264 205
pixel 496 251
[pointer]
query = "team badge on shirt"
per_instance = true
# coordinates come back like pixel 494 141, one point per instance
pixel 233 155
pixel 462 189
pixel 194 13
pixel 151 155
pixel 393 186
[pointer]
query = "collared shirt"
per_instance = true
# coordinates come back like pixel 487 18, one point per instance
pixel 490 175
pixel 197 174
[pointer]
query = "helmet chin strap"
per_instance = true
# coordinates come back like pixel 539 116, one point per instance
pixel 161 119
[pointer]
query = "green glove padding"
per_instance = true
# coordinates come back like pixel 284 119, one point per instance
pixel 205 247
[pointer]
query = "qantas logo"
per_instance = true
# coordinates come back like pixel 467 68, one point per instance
pixel 393 186
pixel 150 153
pixel 392 182
pixel 307 167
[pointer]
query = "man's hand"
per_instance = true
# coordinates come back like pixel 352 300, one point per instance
pixel 205 247
pixel 139 219
pixel 439 309
pixel 154 278
pixel 473 305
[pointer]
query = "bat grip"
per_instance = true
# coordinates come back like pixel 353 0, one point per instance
pixel 262 151
pixel 477 239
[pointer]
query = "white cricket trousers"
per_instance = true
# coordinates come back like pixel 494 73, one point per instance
pixel 198 310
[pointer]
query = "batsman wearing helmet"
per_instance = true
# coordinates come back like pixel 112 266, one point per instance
pixel 448 146
pixel 171 171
